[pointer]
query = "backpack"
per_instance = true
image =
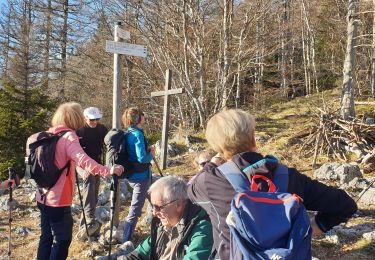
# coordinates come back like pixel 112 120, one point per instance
pixel 40 159
pixel 115 142
pixel 271 224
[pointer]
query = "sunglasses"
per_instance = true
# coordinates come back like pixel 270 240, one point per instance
pixel 95 119
pixel 157 208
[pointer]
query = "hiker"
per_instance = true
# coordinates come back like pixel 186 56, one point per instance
pixel 205 156
pixel 179 228
pixel 202 158
pixel 56 220
pixel 232 134
pixel 92 141
pixel 140 156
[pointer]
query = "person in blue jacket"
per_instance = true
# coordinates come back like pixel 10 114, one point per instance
pixel 139 156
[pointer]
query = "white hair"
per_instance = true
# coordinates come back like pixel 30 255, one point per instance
pixel 172 188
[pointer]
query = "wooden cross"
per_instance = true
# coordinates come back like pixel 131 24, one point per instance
pixel 166 93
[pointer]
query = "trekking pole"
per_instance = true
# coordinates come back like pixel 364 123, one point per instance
pixel 12 176
pixel 84 216
pixel 113 199
pixel 157 166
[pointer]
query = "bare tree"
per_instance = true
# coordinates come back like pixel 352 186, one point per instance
pixel 347 97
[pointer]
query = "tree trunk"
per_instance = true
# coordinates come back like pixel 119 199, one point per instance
pixel 48 28
pixel 64 43
pixel 347 97
pixel 226 43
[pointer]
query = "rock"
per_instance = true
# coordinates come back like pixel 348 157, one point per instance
pixel 369 167
pixel 370 121
pixel 335 171
pixel 370 236
pixel 124 249
pixel 262 138
pixel 116 236
pixel 76 208
pixel 348 232
pixel 332 237
pixel 172 149
pixel 23 231
pixel 4 203
pixel 102 214
pixel 104 196
pixel 367 197
pixel 35 214
pixel 146 221
pixel 32 196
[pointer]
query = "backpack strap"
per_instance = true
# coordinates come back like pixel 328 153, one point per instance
pixel 240 180
pixel 281 178
pixel 235 176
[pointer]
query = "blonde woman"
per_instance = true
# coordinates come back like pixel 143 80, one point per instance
pixel 231 133
pixel 56 220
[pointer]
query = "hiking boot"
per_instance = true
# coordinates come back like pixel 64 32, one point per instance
pixel 93 229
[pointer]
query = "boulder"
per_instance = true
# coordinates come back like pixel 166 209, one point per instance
pixel 367 197
pixel 336 171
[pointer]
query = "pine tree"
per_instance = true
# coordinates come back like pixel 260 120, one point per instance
pixel 22 113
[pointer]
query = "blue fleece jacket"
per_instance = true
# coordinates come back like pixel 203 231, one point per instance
pixel 136 150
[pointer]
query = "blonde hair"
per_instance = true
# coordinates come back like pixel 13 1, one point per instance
pixel 69 114
pixel 131 116
pixel 230 132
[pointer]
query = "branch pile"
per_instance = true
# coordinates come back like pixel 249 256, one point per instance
pixel 335 137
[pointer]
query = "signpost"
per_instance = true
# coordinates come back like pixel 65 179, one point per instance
pixel 166 93
pixel 117 48
pixel 126 48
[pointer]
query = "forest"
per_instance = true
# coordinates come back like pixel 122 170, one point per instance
pixel 225 54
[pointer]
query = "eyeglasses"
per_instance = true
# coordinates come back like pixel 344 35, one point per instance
pixel 161 208
pixel 95 119
pixel 202 164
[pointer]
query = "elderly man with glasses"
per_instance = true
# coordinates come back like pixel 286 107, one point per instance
pixel 179 229
pixel 92 141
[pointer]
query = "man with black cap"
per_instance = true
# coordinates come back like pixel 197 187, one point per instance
pixel 92 141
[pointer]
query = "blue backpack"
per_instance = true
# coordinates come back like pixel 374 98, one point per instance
pixel 266 225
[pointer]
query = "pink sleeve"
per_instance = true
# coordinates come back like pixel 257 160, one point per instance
pixel 75 152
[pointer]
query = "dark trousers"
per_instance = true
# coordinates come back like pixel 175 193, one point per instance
pixel 90 197
pixel 56 225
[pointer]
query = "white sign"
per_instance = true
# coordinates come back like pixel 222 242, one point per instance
pixel 123 34
pixel 126 48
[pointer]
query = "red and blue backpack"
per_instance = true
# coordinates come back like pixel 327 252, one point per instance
pixel 265 221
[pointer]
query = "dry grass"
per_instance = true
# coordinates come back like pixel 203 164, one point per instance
pixel 278 124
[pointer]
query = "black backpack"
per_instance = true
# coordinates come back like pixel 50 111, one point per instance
pixel 117 152
pixel 40 159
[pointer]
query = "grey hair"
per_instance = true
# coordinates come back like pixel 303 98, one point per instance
pixel 172 188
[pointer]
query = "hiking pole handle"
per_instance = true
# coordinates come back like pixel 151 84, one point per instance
pixel 12 176
pixel 157 166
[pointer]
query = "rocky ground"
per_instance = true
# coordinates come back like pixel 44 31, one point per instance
pixel 275 130
pixel 352 240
